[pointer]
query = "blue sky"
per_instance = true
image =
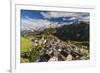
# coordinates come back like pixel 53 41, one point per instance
pixel 39 19
pixel 31 14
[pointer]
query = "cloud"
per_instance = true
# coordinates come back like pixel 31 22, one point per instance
pixel 85 19
pixel 72 18
pixel 61 14
pixel 64 19
pixel 45 14
pixel 57 14
pixel 72 15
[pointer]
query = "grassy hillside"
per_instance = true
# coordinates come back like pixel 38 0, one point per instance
pixel 26 44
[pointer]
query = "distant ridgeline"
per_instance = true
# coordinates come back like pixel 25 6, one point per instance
pixel 78 32
pixel 75 31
